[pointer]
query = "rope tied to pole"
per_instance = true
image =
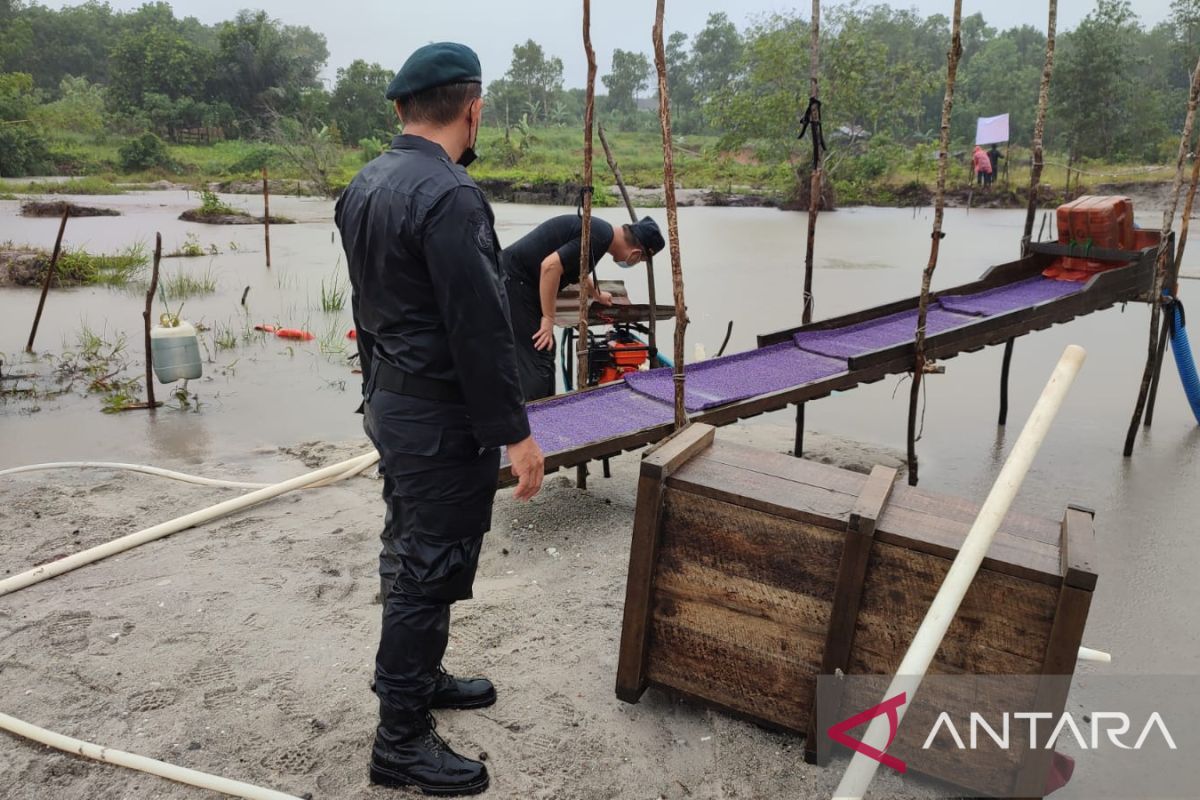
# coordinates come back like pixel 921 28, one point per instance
pixel 813 121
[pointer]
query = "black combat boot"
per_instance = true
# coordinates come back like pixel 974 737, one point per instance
pixel 409 752
pixel 452 692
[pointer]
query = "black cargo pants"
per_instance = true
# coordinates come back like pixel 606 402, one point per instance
pixel 439 485
pixel 535 368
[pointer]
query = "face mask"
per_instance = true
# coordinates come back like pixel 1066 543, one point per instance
pixel 626 264
pixel 469 155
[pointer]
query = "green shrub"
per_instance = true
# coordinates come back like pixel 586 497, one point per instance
pixel 145 152
pixel 254 161
pixel 22 150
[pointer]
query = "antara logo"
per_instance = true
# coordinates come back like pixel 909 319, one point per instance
pixel 1113 723
pixel 889 707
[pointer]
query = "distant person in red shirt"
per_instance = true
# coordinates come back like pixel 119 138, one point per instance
pixel 983 166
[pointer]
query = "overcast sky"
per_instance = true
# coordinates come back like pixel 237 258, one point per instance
pixel 386 31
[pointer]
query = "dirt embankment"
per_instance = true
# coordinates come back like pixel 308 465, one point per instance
pixel 56 209
pixel 229 218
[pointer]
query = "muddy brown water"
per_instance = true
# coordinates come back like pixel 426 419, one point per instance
pixel 740 264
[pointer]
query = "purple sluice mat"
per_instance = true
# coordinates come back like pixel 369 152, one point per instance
pixel 1022 294
pixel 877 334
pixel 737 377
pixel 573 420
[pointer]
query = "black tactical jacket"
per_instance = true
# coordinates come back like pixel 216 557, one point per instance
pixel 427 293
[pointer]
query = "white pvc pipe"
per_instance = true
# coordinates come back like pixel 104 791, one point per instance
pixel 140 763
pixel 46 571
pixel 945 604
pixel 145 470
pixel 1097 656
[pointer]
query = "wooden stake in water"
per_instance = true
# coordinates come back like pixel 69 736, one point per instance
pixel 267 215
pixel 939 210
pixel 1039 130
pixel 146 319
pixel 37 318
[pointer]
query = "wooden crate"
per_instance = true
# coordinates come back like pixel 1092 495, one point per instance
pixel 751 573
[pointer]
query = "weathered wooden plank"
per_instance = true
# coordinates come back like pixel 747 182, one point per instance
pixel 1078 548
pixel 664 458
pixel 852 569
pixel 643 556
pixel 1062 650
pixel 745 663
pixel 747 543
pixel 1001 616
pixel 816 505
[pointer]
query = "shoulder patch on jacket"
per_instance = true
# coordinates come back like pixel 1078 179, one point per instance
pixel 481 230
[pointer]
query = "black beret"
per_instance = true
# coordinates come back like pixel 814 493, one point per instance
pixel 435 65
pixel 648 235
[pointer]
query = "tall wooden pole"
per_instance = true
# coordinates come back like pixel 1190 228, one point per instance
pixel 1039 130
pixel 146 320
pixel 616 171
pixel 1174 278
pixel 585 239
pixel 664 115
pixel 267 215
pixel 585 242
pixel 50 270
pixel 1161 275
pixel 920 363
pixel 814 200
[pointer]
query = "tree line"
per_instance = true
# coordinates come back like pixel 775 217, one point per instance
pixel 1119 89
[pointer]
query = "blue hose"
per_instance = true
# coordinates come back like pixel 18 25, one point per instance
pixel 1183 358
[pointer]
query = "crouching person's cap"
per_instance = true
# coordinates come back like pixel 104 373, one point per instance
pixel 435 65
pixel 648 235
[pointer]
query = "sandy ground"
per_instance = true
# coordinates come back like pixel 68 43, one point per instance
pixel 245 648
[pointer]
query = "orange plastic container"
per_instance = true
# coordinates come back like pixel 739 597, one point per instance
pixel 1093 221
pixel 628 354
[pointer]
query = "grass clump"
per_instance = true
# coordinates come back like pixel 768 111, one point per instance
pixel 212 206
pixel 182 285
pixel 191 248
pixel 81 268
pixel 333 295
pixel 87 185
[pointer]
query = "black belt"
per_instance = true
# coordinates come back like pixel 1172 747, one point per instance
pixel 401 382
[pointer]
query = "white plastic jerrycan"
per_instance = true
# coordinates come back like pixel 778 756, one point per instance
pixel 175 350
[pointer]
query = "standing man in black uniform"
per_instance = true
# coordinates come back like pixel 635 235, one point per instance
pixel 541 264
pixel 441 397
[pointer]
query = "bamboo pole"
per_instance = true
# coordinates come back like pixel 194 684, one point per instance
pixel 146 320
pixel 664 115
pixel 266 215
pixel 920 364
pixel 1039 129
pixel 37 318
pixel 1161 267
pixel 919 656
pixel 616 171
pixel 814 200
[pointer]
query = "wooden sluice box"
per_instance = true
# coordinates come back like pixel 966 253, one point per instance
pixel 751 573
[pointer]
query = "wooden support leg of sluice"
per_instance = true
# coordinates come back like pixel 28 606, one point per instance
pixel 607 468
pixel 1162 349
pixel 1008 350
pixel 798 447
pixel 581 473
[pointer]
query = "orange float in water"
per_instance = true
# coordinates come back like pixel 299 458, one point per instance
pixel 353 334
pixel 294 333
